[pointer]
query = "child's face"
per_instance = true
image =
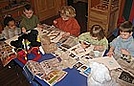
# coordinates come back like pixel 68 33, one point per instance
pixel 95 38
pixel 11 25
pixel 65 18
pixel 28 13
pixel 125 35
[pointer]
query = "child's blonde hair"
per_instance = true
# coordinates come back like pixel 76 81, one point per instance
pixel 97 31
pixel 68 11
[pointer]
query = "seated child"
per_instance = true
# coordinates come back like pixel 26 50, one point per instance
pixel 123 44
pixel 67 22
pixel 29 21
pixel 10 29
pixel 95 37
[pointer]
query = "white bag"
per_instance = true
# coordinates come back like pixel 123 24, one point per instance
pixel 100 76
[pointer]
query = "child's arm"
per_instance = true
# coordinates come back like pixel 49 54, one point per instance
pixel 126 52
pixel 55 22
pixel 75 29
pixel 111 51
pixel 99 47
pixel 39 26
pixel 23 30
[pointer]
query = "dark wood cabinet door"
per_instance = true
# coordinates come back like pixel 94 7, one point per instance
pixel 47 8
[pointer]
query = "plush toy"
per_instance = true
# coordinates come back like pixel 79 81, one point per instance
pixel 34 49
pixel 19 48
pixel 100 76
pixel 24 41
pixel 47 45
pixel 22 56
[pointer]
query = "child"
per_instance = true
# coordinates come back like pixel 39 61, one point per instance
pixel 29 21
pixel 10 29
pixel 67 22
pixel 123 44
pixel 95 37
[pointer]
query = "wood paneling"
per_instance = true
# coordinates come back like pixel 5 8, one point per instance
pixel 47 8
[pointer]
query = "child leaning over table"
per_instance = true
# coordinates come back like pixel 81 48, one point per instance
pixel 29 21
pixel 123 44
pixel 10 29
pixel 67 22
pixel 95 37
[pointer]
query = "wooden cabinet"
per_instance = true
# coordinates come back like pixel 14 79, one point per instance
pixel 47 8
pixel 104 13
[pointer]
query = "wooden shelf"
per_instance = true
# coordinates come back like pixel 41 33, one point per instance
pixel 104 13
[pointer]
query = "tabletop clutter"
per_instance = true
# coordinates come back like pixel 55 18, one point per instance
pixel 100 70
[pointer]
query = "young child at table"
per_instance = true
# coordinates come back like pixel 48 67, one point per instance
pixel 123 44
pixel 10 29
pixel 95 37
pixel 29 21
pixel 67 22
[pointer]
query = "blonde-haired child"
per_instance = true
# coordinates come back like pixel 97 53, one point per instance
pixel 67 21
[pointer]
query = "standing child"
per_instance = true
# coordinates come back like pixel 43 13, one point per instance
pixel 29 21
pixel 95 37
pixel 10 29
pixel 67 22
pixel 123 44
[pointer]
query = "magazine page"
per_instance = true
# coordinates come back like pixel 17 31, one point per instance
pixel 6 53
pixel 79 51
pixel 48 70
pixel 66 59
pixel 35 68
pixel 110 62
pixel 70 42
pixel 53 70
pixel 11 39
pixel 83 68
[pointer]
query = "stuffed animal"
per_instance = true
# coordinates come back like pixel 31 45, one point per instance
pixel 47 45
pixel 22 56
pixel 34 49
pixel 100 76
pixel 22 48
pixel 19 48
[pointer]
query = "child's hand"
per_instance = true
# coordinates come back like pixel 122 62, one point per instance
pixel 66 34
pixel 124 51
pixel 99 48
pixel 55 22
pixel 84 45
pixel 39 26
pixel 110 53
pixel 23 30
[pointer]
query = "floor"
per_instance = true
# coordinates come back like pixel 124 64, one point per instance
pixel 13 76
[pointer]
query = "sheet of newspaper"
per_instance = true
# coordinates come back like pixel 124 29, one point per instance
pixel 48 70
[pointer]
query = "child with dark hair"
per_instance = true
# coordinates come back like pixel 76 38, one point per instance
pixel 29 21
pixel 10 29
pixel 123 44
pixel 95 37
